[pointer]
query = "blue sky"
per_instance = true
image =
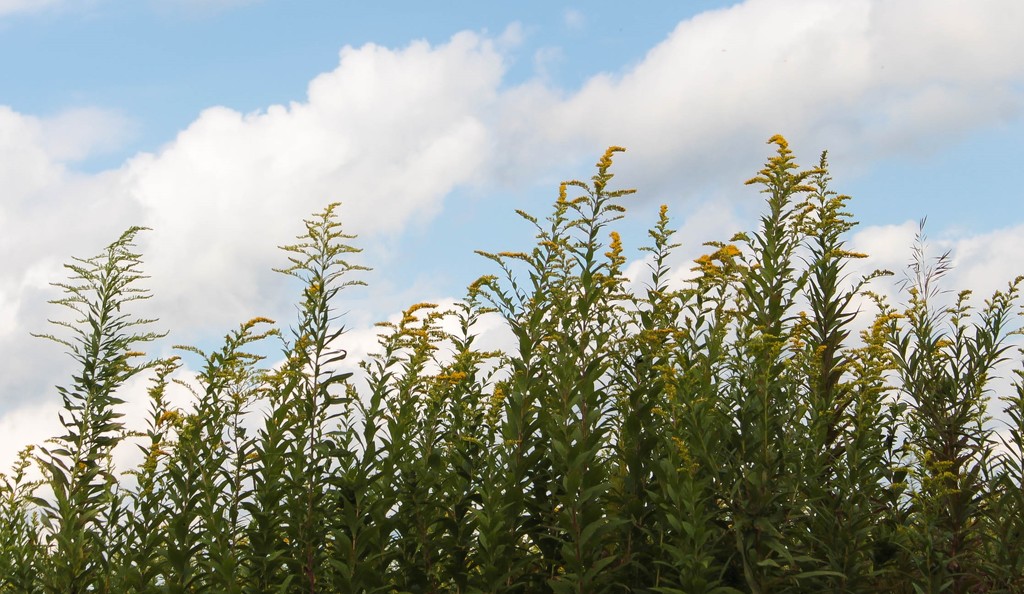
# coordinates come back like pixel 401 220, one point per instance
pixel 222 123
pixel 162 62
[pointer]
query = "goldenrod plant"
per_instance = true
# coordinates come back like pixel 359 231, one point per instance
pixel 20 538
pixel 78 521
pixel 761 422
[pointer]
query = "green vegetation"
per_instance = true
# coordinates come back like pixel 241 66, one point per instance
pixel 727 436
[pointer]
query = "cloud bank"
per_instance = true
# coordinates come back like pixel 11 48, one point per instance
pixel 393 132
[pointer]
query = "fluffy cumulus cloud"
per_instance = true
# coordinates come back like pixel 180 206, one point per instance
pixel 984 263
pixel 866 78
pixel 392 132
pixel 389 133
pixel 44 210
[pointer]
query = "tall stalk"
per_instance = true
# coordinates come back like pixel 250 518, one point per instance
pixel 77 464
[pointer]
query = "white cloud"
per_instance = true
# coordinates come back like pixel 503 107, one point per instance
pixel 982 262
pixel 866 78
pixel 75 134
pixel 888 246
pixel 24 165
pixel 389 133
pixel 46 214
pixel 986 263
pixel 22 427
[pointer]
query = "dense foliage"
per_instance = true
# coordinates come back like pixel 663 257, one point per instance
pixel 730 434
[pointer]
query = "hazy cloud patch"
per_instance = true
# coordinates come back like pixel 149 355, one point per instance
pixel 79 133
pixel 574 18
pixel 9 7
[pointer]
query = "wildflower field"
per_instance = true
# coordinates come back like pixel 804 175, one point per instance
pixel 734 434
